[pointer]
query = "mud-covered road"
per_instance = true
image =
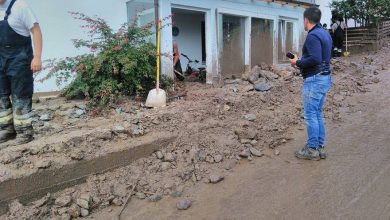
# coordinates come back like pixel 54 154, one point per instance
pixel 353 183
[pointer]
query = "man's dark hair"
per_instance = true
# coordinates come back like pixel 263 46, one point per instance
pixel 313 14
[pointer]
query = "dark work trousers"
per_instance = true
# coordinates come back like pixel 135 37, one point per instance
pixel 338 42
pixel 16 84
pixel 16 80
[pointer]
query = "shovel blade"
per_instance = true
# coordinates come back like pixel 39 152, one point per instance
pixel 156 99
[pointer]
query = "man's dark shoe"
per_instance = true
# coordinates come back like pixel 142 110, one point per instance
pixel 308 153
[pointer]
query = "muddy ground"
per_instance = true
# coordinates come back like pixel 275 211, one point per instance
pixel 216 129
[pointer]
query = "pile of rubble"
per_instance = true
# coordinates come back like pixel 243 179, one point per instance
pixel 216 128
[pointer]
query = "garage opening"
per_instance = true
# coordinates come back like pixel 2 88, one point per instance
pixel 233 47
pixel 262 42
pixel 188 30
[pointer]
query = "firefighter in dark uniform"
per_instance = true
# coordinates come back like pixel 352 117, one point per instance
pixel 18 62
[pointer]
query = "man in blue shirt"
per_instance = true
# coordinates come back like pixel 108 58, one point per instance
pixel 315 68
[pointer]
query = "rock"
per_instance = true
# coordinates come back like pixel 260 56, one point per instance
pixel 218 158
pixel 117 202
pixel 62 210
pixel 159 155
pixel 169 157
pixel 66 216
pixel 286 75
pixel 83 203
pixel 155 198
pixel 35 150
pixel 253 142
pixel 256 152
pixel 81 106
pixel 268 74
pixel 86 196
pixel 209 159
pixel 183 204
pixel 178 192
pixel 119 190
pixel 104 134
pixel 137 131
pixel 248 88
pixel 9 157
pixel 79 112
pixel 84 212
pixel 63 201
pixel 119 110
pixel 96 200
pixel 201 155
pixel 119 130
pixel 58 147
pixel 192 155
pixel 250 117
pixel 277 152
pixel 42 201
pixel 43 164
pixel 253 77
pixel 376 80
pixel 77 155
pixel 232 81
pixel 245 141
pixel 140 195
pixel 216 178
pixel 46 117
pixel 263 87
pixel 156 121
pixel 74 211
pixel 165 166
pixel 226 108
pixel 246 134
pixel 245 153
pixel 230 165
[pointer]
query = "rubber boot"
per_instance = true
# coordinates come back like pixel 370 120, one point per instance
pixel 6 134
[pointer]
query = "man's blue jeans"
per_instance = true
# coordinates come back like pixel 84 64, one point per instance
pixel 315 89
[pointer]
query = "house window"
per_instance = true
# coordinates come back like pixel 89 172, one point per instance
pixel 285 39
pixel 141 13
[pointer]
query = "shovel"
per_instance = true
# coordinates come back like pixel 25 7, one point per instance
pixel 346 53
pixel 157 97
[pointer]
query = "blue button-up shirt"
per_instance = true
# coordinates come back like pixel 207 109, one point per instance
pixel 316 53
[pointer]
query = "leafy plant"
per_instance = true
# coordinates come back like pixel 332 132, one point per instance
pixel 120 63
pixel 363 11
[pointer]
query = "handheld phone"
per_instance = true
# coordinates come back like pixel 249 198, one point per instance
pixel 290 55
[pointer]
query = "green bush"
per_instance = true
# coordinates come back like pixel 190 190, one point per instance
pixel 119 64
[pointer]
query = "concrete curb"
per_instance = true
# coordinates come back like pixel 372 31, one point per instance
pixel 37 185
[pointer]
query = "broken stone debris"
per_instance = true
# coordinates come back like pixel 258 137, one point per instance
pixel 184 204
pixel 263 87
pixel 216 178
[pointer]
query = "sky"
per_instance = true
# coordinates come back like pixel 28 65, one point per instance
pixel 59 28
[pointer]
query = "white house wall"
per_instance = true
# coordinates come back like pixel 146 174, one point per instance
pixel 243 8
